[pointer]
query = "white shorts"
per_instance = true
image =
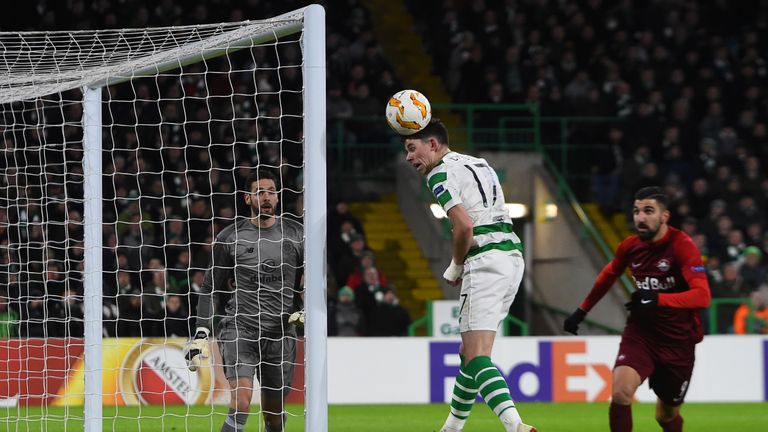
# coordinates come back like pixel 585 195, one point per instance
pixel 488 287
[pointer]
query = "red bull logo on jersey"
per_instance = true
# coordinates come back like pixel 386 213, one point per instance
pixel 654 283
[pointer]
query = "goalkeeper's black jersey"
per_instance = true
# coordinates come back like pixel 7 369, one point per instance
pixel 257 267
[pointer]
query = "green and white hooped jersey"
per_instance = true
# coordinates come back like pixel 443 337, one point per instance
pixel 470 181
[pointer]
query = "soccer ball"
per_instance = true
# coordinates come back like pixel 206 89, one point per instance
pixel 408 112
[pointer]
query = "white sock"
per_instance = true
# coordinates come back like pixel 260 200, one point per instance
pixel 510 418
pixel 453 424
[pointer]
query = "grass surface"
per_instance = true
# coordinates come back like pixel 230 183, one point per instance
pixel 565 417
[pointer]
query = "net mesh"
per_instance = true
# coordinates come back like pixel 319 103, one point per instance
pixel 188 113
pixel 36 64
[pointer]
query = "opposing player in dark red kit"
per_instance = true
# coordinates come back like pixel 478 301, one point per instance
pixel 664 326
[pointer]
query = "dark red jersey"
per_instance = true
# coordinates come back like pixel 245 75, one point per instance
pixel 673 267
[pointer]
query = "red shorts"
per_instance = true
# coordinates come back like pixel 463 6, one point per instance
pixel 668 368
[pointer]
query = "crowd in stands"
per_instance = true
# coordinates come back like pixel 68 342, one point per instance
pixel 685 81
pixel 168 189
pixel 365 303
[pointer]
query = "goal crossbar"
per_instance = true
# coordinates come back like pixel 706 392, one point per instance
pixel 107 57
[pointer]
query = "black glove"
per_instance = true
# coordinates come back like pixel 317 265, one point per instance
pixel 643 299
pixel 571 324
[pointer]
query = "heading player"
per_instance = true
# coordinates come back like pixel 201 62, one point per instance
pixel 261 255
pixel 664 325
pixel 487 262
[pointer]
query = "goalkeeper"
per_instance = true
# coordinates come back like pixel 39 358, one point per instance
pixel 256 258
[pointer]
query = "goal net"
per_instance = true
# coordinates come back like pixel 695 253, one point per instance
pixel 124 157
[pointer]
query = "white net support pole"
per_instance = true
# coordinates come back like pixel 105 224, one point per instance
pixel 92 171
pixel 315 223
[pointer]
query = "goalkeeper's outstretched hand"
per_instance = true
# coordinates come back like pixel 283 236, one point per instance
pixel 296 318
pixel 198 349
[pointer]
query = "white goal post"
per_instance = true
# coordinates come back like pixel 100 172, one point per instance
pixel 45 72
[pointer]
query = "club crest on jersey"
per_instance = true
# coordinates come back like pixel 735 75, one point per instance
pixel 663 265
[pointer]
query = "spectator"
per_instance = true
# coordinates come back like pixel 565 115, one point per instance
pixel 726 285
pixel 754 234
pixel 349 319
pixel 764 245
pixel 178 274
pixel 124 283
pixel 732 285
pixel 367 260
pixel 9 319
pixel 67 315
pixel 176 322
pixel 751 319
pixel 34 317
pixel 718 240
pixel 337 218
pixel 606 171
pixel 752 271
pixel 350 260
pixel 368 293
pixel 747 212
pixel 130 314
pixel 734 245
pixel 153 302
pixel 337 107
pixel 714 275
pixel 690 226
pixel 54 281
pixel 388 318
pixel 699 199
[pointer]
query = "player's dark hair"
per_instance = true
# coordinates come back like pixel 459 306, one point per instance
pixel 260 174
pixel 435 129
pixel 654 193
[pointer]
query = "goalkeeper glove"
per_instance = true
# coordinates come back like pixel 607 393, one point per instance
pixel 296 318
pixel 571 324
pixel 198 349
pixel 643 299
pixel 454 272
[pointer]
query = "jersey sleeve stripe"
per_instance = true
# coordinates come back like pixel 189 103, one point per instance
pixel 436 179
pixel 506 246
pixel 443 198
pixel 502 227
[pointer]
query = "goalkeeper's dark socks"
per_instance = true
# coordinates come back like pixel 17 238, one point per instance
pixel 620 417
pixel 462 400
pixel 235 421
pixel 494 389
pixel 674 425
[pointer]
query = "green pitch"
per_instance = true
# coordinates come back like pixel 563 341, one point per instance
pixel 562 417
